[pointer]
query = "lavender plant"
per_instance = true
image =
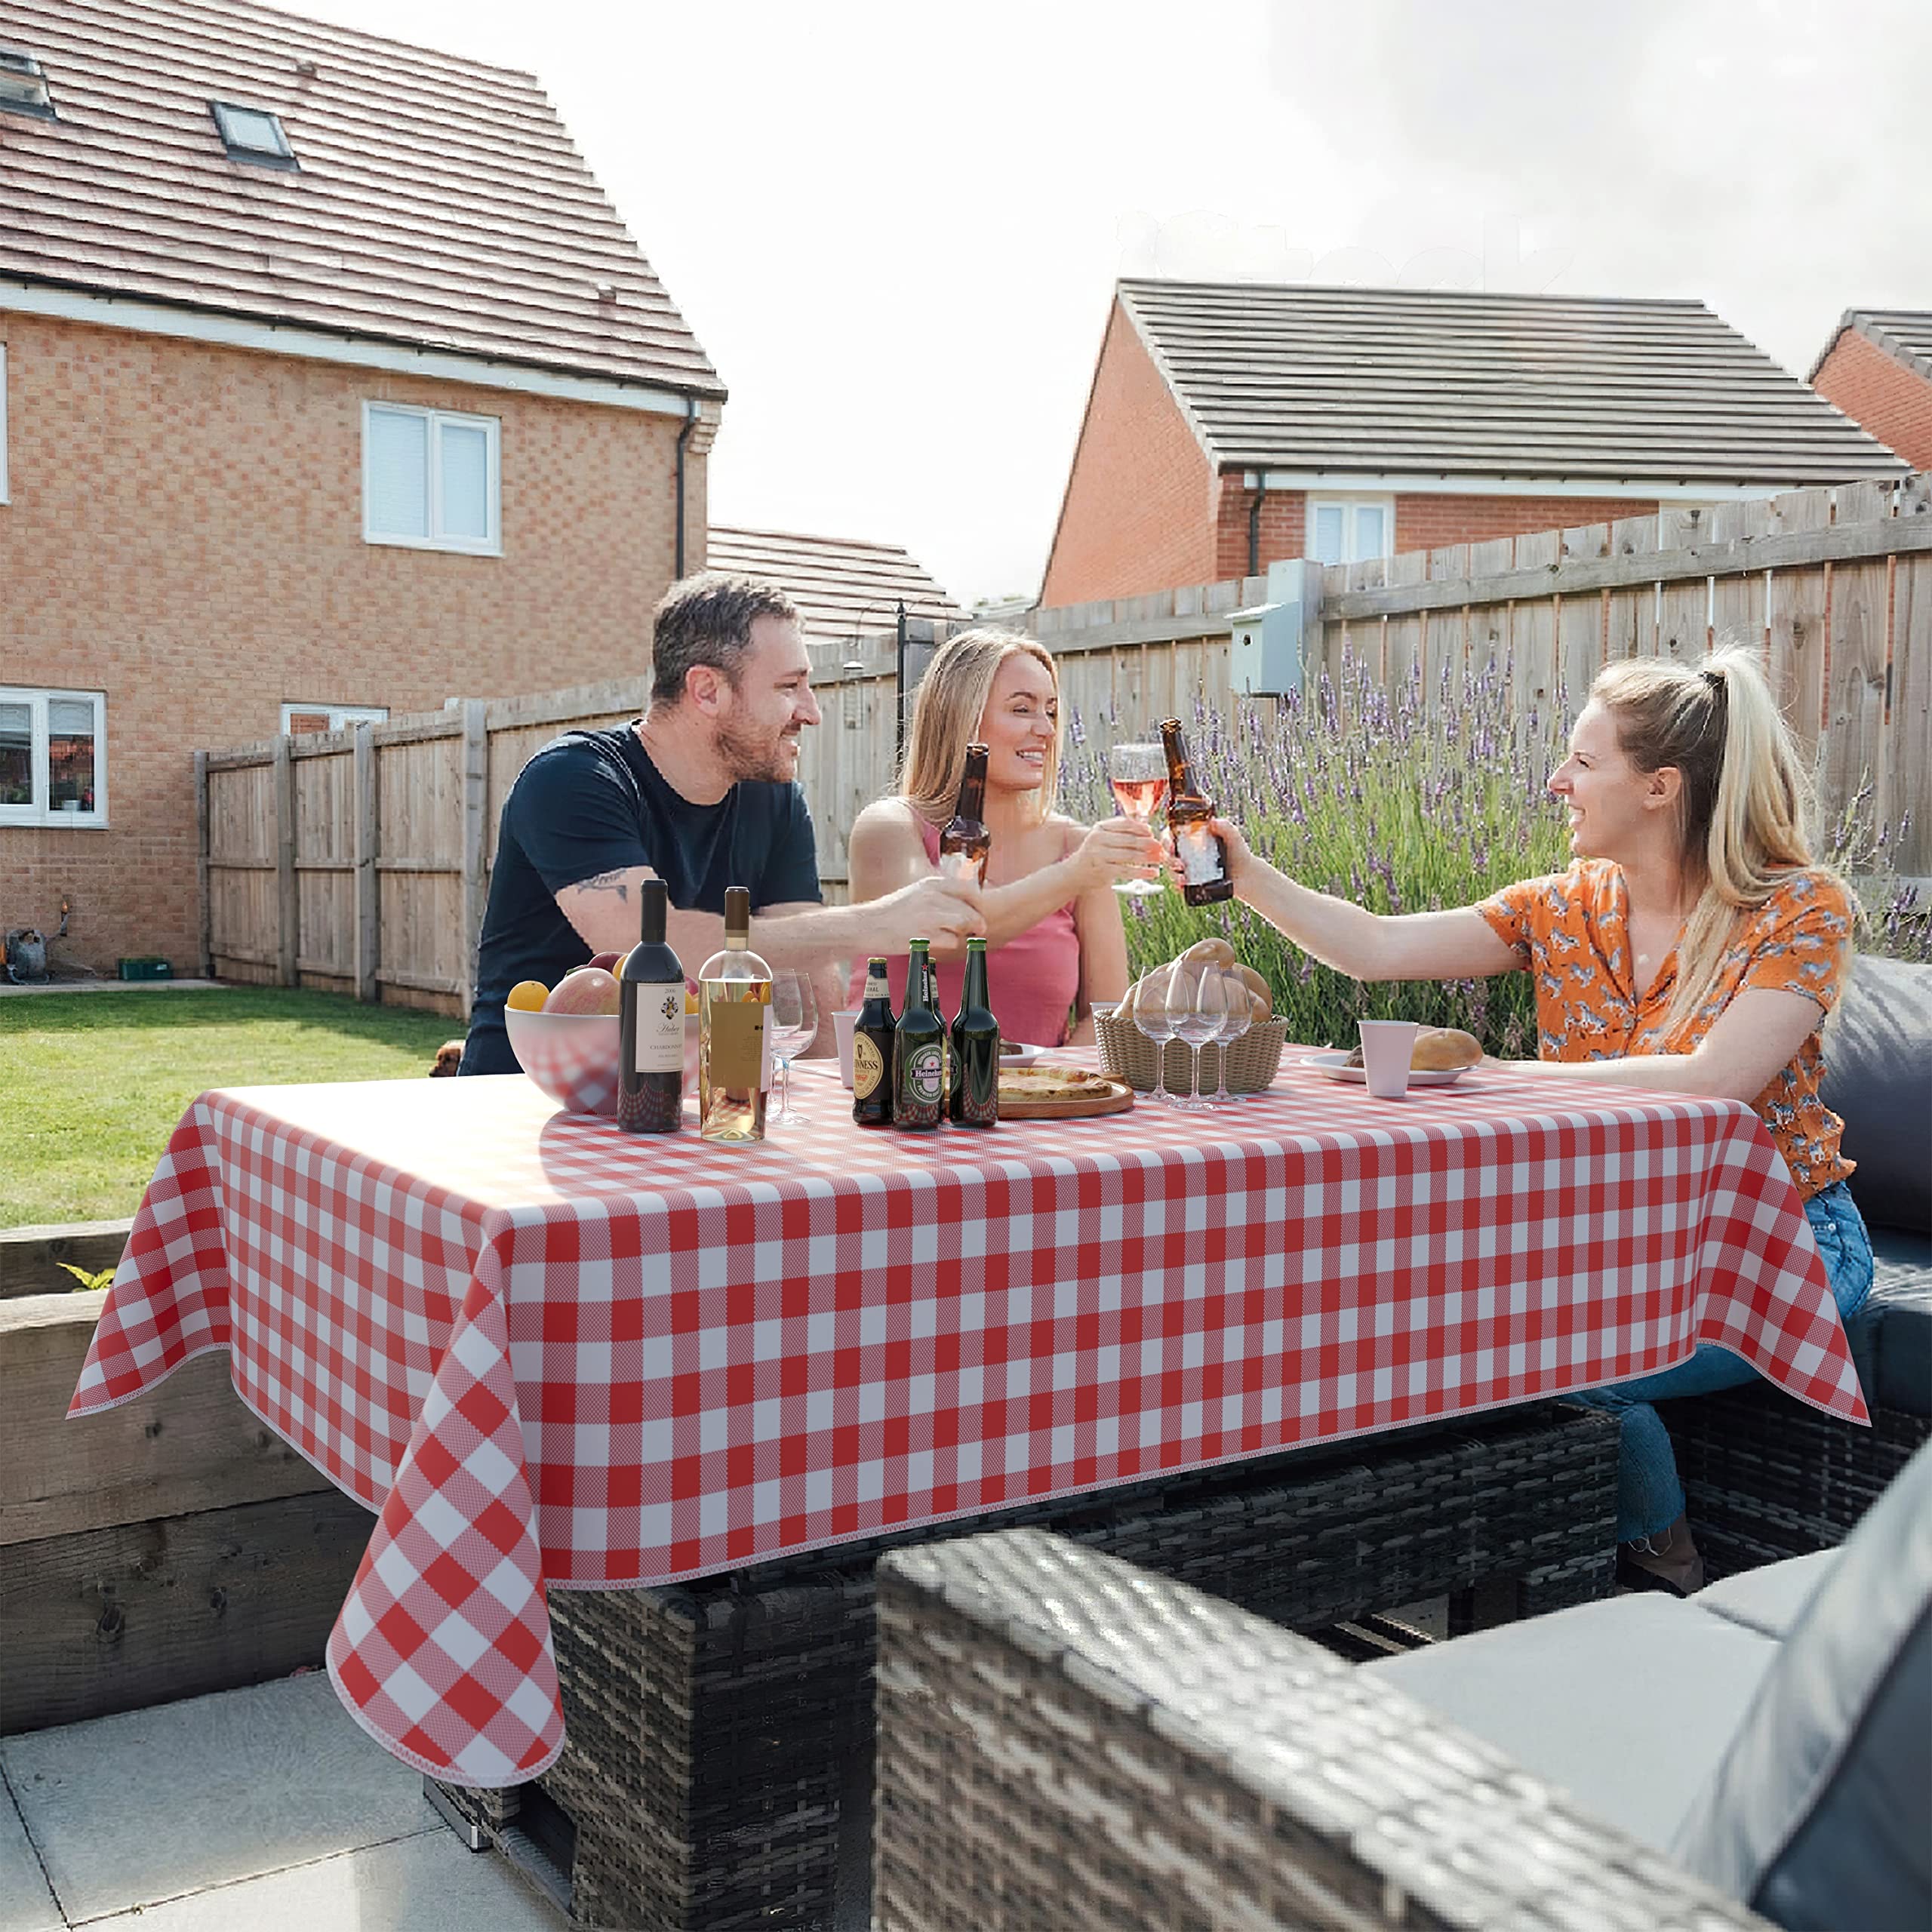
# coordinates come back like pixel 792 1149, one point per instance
pixel 1402 807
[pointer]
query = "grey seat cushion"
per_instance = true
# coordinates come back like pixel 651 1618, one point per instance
pixel 1878 1080
pixel 1771 1598
pixel 1818 1816
pixel 1896 1322
pixel 1627 1705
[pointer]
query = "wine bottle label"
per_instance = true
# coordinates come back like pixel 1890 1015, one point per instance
pixel 868 1066
pixel 1200 854
pixel 925 1072
pixel 737 1043
pixel 660 1029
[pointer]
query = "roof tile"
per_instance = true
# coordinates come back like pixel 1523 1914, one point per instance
pixel 844 588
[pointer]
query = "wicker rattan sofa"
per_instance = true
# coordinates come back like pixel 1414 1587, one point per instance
pixel 1765 1477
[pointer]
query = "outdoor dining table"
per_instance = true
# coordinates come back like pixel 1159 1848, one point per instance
pixel 552 1355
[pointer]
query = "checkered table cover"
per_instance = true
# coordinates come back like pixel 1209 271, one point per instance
pixel 552 1355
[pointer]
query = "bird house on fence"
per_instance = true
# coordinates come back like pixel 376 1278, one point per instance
pixel 1266 658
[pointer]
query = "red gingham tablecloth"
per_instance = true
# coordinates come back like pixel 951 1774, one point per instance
pixel 550 1354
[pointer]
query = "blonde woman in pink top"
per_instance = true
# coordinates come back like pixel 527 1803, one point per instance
pixel 1051 913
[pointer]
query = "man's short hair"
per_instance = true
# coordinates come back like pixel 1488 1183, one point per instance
pixel 707 619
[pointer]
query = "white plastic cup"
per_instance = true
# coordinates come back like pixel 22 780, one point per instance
pixel 1388 1049
pixel 843 1024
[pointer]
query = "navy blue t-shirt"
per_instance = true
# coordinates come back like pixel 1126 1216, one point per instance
pixel 591 802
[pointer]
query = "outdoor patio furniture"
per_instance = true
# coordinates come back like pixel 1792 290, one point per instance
pixel 714 1773
pixel 1767 1478
pixel 1065 1741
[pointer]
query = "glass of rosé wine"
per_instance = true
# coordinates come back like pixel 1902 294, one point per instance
pixel 1137 775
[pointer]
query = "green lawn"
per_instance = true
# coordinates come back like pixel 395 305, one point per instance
pixel 91 1085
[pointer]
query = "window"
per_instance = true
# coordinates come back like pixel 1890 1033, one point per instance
pixel 53 757
pixel 300 717
pixel 23 85
pixel 431 480
pixel 1347 530
pixel 252 135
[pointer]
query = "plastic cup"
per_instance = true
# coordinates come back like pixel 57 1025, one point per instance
pixel 843 1024
pixel 1388 1047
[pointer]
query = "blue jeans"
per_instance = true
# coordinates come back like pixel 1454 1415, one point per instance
pixel 1649 1497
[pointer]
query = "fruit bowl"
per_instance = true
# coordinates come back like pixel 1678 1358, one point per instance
pixel 572 1057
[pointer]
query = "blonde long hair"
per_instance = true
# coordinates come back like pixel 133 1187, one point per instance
pixel 1746 807
pixel 953 698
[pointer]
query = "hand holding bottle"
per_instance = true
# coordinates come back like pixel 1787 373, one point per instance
pixel 946 911
pixel 1241 862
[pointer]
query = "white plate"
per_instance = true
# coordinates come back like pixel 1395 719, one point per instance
pixel 1336 1065
pixel 1025 1053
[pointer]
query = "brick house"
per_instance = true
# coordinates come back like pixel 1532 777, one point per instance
pixel 1232 425
pixel 331 385
pixel 1877 368
pixel 844 588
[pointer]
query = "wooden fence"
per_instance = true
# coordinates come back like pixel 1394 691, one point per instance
pixel 360 860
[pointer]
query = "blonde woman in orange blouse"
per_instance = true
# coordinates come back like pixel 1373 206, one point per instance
pixel 1695 946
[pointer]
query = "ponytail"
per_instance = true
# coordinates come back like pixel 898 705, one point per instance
pixel 1745 803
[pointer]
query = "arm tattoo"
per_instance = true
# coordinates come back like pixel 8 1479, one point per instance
pixel 610 881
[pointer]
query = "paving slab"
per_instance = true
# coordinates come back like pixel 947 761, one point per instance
pixel 429 1884
pixel 151 1804
pixel 26 1904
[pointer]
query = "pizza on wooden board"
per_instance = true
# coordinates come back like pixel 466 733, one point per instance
pixel 1040 1082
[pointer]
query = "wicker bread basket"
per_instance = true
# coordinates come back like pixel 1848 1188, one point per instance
pixel 1128 1054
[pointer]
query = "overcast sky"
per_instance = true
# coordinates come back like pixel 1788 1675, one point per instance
pixel 895 229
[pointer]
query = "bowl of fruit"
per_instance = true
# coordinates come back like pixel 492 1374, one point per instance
pixel 565 1036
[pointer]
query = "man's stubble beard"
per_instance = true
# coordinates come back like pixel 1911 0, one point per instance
pixel 752 758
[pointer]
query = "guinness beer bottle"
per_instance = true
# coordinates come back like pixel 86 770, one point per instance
pixel 1204 856
pixel 964 844
pixel 872 1051
pixel 651 1026
pixel 918 1051
pixel 975 1094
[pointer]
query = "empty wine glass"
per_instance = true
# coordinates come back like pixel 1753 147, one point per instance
pixel 1150 1015
pixel 793 1019
pixel 1138 776
pixel 1196 1005
pixel 1234 1022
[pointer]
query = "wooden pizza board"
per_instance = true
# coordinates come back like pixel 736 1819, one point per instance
pixel 1073 1106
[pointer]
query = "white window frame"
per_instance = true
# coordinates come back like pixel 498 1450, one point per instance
pixel 491 545
pixel 340 716
pixel 3 497
pixel 37 700
pixel 1348 505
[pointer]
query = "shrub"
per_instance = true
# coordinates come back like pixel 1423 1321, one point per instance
pixel 1403 807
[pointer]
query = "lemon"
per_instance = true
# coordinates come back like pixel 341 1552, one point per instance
pixel 528 996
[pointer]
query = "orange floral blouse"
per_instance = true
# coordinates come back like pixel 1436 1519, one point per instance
pixel 1571 930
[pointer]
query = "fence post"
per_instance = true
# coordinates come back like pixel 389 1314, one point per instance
pixel 368 900
pixel 204 938
pixel 476 804
pixel 288 899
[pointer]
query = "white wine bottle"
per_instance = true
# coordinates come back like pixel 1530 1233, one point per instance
pixel 734 1004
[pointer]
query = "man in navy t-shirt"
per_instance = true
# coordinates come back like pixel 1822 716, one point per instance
pixel 700 792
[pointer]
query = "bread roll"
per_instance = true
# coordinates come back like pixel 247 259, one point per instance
pixel 1218 950
pixel 1443 1049
pixel 1264 999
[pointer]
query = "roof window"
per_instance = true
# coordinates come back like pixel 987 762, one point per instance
pixel 23 85
pixel 252 135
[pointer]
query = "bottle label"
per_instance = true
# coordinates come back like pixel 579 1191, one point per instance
pixel 961 866
pixel 736 1044
pixel 660 1029
pixel 868 1066
pixel 925 1073
pixel 1200 854
pixel 877 986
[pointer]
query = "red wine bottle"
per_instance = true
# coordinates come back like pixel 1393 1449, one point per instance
pixel 651 1026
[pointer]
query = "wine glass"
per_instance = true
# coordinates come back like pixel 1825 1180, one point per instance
pixel 1138 776
pixel 1234 1022
pixel 793 1019
pixel 1197 1004
pixel 1150 1015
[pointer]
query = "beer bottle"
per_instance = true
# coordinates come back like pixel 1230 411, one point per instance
pixel 964 844
pixel 1204 855
pixel 938 1006
pixel 918 1041
pixel 975 1089
pixel 872 1051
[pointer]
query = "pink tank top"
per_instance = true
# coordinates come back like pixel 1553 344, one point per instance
pixel 1034 978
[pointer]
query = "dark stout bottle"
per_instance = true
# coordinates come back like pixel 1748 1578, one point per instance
pixel 975 1095
pixel 918 1050
pixel 872 1051
pixel 1204 854
pixel 651 1026
pixel 964 844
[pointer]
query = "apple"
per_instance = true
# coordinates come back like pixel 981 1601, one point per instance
pixel 609 961
pixel 588 990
